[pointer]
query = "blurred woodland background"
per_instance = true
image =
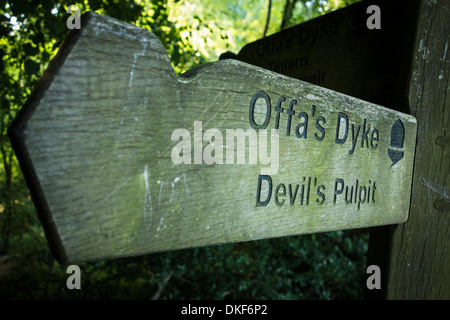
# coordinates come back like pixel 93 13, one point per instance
pixel 318 266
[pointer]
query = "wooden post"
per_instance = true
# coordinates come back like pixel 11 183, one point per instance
pixel 419 255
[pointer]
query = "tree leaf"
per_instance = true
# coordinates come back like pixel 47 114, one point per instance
pixel 30 50
pixel 31 67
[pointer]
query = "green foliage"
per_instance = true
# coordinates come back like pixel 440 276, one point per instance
pixel 321 266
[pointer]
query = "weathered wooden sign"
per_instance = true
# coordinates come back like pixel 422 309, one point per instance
pixel 123 157
pixel 338 51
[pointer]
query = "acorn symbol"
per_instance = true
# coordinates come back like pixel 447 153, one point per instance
pixel 395 151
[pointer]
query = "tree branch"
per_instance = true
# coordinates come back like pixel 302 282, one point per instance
pixel 287 15
pixel 161 286
pixel 269 8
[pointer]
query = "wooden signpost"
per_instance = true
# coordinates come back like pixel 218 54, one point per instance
pixel 338 51
pixel 123 157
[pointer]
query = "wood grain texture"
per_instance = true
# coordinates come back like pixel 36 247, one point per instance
pixel 95 143
pixel 419 264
